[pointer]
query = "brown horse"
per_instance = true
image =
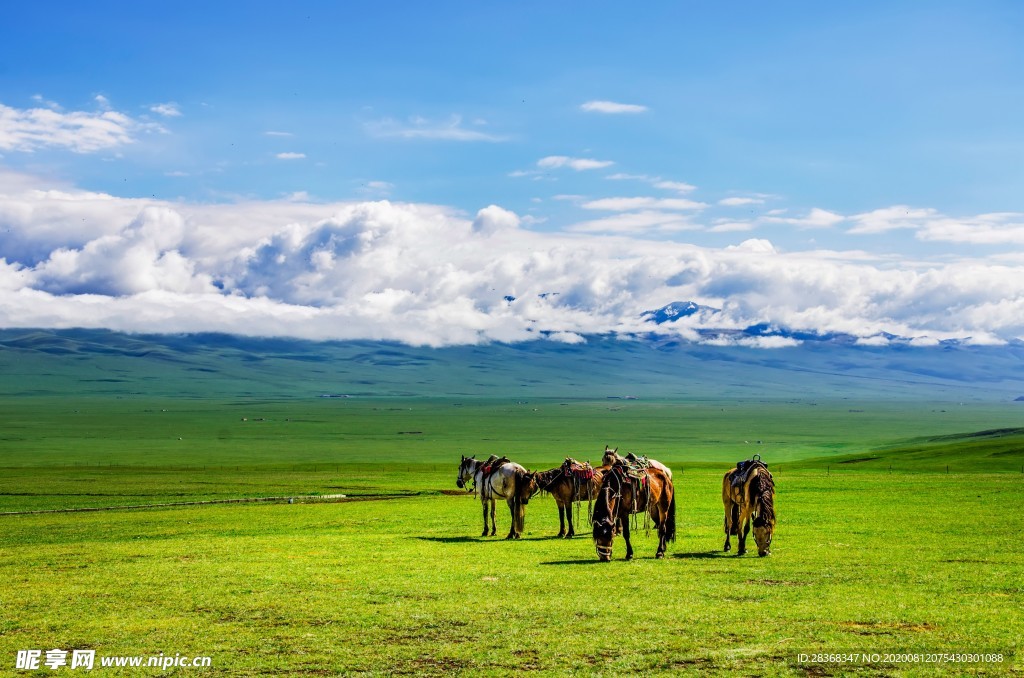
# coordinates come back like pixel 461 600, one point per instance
pixel 612 455
pixel 570 482
pixel 754 498
pixel 626 490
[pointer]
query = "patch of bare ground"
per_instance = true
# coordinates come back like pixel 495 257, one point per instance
pixel 885 628
pixel 429 665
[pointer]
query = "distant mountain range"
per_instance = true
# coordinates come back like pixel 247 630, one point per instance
pixel 100 362
pixel 683 309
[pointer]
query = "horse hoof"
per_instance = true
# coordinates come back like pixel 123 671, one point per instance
pixel 659 555
pixel 629 557
pixel 727 548
pixel 740 553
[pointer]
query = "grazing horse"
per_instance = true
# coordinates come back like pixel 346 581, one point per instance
pixel 572 481
pixel 499 479
pixel 627 489
pixel 612 455
pixel 754 497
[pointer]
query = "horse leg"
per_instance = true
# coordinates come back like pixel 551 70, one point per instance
pixel 568 516
pixel 520 519
pixel 512 527
pixel 494 525
pixel 660 519
pixel 742 530
pixel 483 503
pixel 625 535
pixel 561 521
pixel 728 527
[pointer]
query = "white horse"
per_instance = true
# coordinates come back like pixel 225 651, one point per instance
pixel 508 481
pixel 611 455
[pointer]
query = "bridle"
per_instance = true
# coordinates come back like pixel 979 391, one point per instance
pixel 468 466
pixel 609 520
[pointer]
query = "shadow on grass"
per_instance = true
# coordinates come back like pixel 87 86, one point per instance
pixel 701 554
pixel 580 561
pixel 465 539
pixel 455 540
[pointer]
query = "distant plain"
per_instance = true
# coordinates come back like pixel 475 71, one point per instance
pixel 896 485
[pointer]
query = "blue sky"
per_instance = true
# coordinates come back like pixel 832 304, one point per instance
pixel 882 129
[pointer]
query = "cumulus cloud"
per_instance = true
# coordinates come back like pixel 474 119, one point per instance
pixel 429 275
pixel 492 219
pixel 289 155
pixel 611 107
pixel 28 130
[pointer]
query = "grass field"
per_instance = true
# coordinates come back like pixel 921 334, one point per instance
pixel 879 548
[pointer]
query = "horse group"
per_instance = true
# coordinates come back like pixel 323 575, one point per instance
pixel 622 486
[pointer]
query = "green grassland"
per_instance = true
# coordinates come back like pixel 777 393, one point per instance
pixel 899 493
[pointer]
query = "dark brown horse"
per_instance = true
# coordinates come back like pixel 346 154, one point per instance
pixel 625 490
pixel 571 482
pixel 753 498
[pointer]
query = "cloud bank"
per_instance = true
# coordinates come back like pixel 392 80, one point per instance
pixel 425 274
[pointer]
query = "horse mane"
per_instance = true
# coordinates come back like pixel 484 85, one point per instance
pixel 762 490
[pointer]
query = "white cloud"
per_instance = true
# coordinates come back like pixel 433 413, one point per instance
pixel 730 226
pixel 611 107
pixel 623 176
pixel 428 275
pixel 1000 228
pixel 637 223
pixel 578 164
pixel 421 128
pixel 493 219
pixel 28 130
pixel 376 189
pixel 626 204
pixel 985 229
pixel 754 245
pixel 273 133
pixel 167 110
pixel 290 156
pixel 816 218
pixel 739 202
pixel 677 186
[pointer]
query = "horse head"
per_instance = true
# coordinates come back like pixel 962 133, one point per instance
pixel 610 456
pixel 526 486
pixel 467 469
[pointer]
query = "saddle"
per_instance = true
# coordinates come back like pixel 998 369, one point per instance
pixel 577 469
pixel 492 464
pixel 743 469
pixel 634 468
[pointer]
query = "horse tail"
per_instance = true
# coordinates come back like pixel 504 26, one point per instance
pixel 670 520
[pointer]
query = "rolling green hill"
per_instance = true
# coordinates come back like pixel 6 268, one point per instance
pixel 82 362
